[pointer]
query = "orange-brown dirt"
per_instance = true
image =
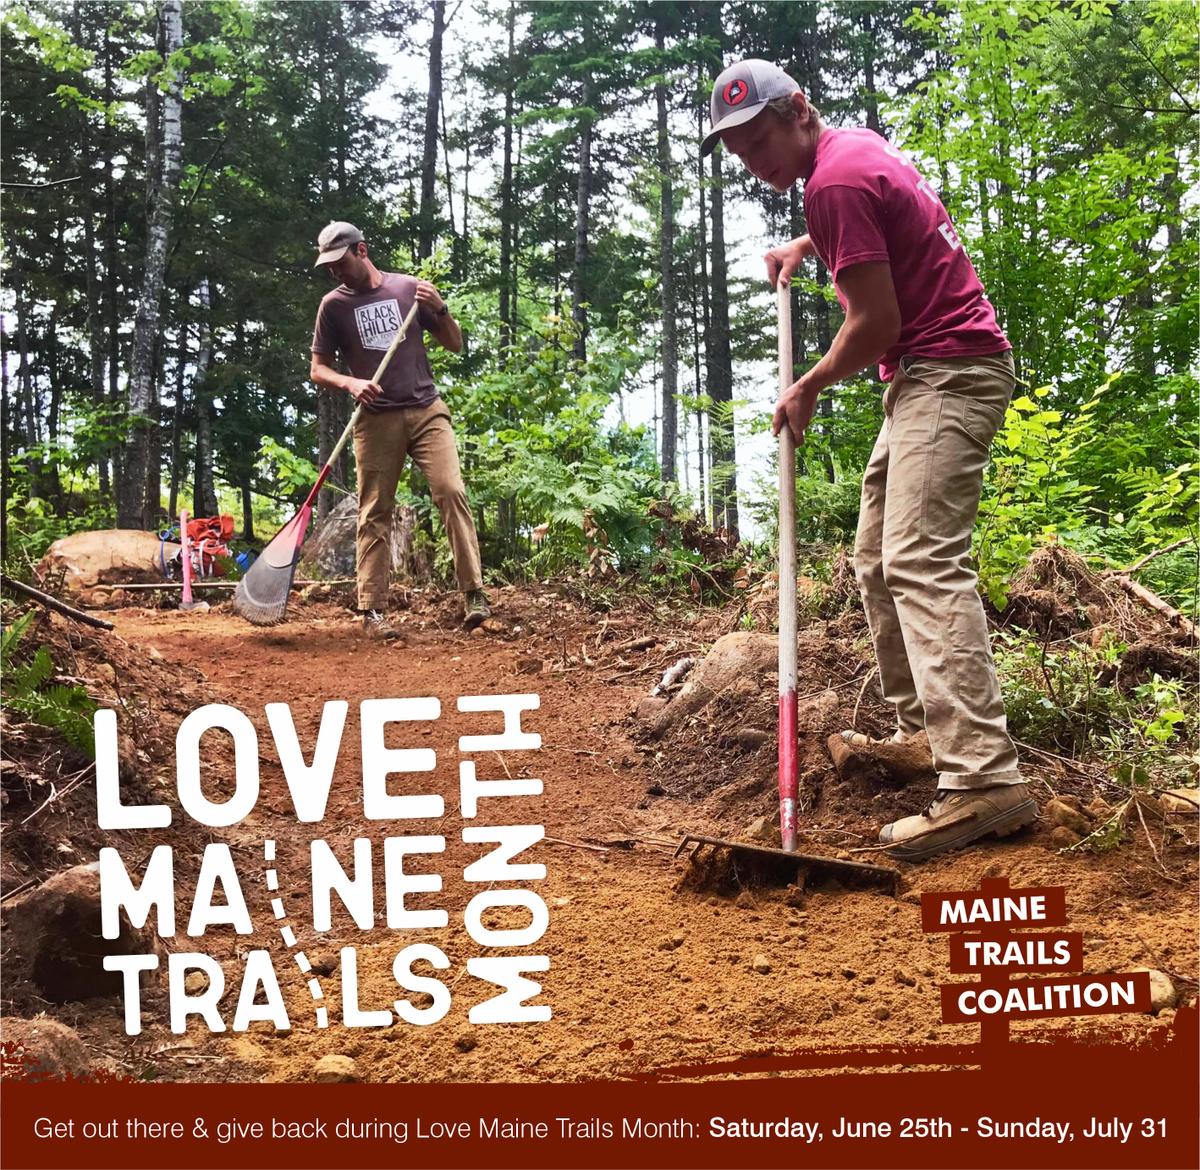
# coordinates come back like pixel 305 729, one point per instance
pixel 645 973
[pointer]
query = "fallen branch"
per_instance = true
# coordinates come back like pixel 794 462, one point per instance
pixel 634 644
pixel 170 585
pixel 1144 595
pixel 1158 552
pixel 54 604
pixel 574 844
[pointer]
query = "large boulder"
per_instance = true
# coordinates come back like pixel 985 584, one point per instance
pixel 52 938
pixel 40 1049
pixel 111 556
pixel 329 551
pixel 740 659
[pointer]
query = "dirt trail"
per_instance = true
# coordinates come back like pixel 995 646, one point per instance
pixel 642 975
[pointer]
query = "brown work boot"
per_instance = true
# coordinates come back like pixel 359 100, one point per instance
pixel 376 625
pixel 477 609
pixel 958 816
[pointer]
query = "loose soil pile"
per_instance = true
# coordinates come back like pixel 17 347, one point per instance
pixel 644 973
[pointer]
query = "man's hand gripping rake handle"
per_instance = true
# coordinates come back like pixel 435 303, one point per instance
pixel 401 333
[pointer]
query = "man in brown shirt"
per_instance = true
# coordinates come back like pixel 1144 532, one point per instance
pixel 402 412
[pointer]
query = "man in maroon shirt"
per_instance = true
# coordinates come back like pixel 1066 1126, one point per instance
pixel 402 413
pixel 914 304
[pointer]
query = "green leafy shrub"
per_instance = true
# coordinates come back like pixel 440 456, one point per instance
pixel 68 710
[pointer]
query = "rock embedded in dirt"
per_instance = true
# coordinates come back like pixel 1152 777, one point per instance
pixel 1162 990
pixel 1063 838
pixel 330 551
pixel 324 963
pixel 466 1042
pixel 1057 812
pixel 42 1048
pixel 649 708
pixel 883 764
pixel 737 660
pixel 529 665
pixel 1181 800
pixel 752 738
pixel 53 938
pixel 820 715
pixel 763 831
pixel 903 977
pixel 195 983
pixel 882 1013
pixel 336 1069
pixel 744 900
pixel 761 964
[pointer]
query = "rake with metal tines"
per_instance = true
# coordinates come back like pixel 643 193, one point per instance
pixel 762 860
pixel 261 596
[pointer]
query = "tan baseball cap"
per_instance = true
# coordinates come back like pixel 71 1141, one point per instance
pixel 334 240
pixel 741 92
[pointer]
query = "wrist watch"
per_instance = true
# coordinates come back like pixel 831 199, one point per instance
pixel 444 311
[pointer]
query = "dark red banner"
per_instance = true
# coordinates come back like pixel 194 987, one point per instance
pixel 1069 1104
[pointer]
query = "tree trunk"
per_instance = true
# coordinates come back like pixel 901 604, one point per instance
pixel 870 52
pixel 702 319
pixel 583 197
pixel 132 506
pixel 181 355
pixel 506 199
pixel 113 356
pixel 670 344
pixel 720 369
pixel 425 216
pixel 332 416
pixel 204 493
pixel 28 424
pixel 53 484
pixel 92 322
pixel 5 440
pixel 247 509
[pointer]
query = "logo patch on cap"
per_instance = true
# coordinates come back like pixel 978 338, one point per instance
pixel 735 92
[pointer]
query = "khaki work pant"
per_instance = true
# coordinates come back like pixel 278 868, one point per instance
pixel 381 443
pixel 920 497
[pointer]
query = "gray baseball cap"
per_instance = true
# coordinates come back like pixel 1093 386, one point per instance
pixel 741 92
pixel 334 240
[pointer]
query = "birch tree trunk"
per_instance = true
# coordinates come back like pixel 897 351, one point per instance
pixel 670 344
pixel 133 509
pixel 204 496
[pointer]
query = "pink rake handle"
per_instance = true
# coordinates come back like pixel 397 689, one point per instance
pixel 185 558
pixel 787 588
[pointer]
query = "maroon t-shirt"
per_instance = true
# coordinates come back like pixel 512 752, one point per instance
pixel 866 202
pixel 360 326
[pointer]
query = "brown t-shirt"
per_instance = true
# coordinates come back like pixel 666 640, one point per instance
pixel 360 326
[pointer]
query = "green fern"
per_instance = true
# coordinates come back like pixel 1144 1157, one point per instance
pixel 67 710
